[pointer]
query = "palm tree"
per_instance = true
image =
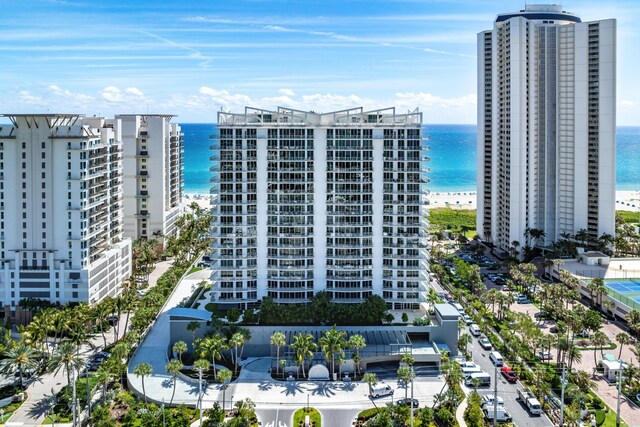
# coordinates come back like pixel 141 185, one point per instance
pixel 464 340
pixel 200 365
pixel 180 347
pixel 357 342
pixel 598 340
pixel 624 339
pixel 19 358
pixel 143 370
pixel 404 374
pixel 225 375
pixel 333 342
pixel 104 376
pixel 65 358
pixel 633 321
pixel 173 367
pixel 304 346
pixel 100 313
pixel 371 380
pixel 278 339
pixel 212 347
pixel 192 327
pixel 236 340
pixel 408 359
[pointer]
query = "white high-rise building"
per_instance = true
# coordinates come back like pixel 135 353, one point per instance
pixel 546 126
pixel 152 163
pixel 61 209
pixel 311 202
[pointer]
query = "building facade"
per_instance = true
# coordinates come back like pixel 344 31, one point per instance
pixel 312 202
pixel 546 127
pixel 152 163
pixel 61 235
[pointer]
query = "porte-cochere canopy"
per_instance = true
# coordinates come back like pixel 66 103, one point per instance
pixel 318 372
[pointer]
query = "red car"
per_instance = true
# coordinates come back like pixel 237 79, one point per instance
pixel 510 376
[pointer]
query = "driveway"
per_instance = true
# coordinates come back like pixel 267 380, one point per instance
pixel 338 402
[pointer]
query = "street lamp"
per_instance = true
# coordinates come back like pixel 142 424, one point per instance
pixel 411 402
pixel 619 392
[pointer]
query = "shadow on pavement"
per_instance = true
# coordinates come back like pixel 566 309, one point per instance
pixel 290 388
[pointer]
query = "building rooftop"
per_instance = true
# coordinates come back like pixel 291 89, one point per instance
pixel 543 12
pixel 291 117
pixel 447 311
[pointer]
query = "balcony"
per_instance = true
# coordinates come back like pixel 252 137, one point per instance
pixel 143 214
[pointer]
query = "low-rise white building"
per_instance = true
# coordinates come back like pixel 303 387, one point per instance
pixel 61 234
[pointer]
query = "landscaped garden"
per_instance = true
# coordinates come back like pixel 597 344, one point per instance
pixel 300 415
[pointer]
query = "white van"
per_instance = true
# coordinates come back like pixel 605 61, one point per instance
pixel 468 370
pixel 475 330
pixel 458 307
pixel 478 379
pixel 381 389
pixel 496 358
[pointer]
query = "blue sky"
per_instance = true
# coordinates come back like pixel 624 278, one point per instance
pixel 192 58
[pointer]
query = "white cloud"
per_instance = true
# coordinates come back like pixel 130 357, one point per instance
pixel 287 92
pixel 28 98
pixel 76 98
pixel 626 103
pixel 224 98
pixel 130 95
pixel 423 100
pixel 134 91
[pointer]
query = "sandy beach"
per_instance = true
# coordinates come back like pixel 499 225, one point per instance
pixel 625 200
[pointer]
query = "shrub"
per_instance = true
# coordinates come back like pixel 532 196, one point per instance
pixel 600 416
pixel 597 402
pixel 445 418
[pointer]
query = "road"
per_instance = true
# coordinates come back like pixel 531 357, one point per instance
pixel 276 417
pixel 507 391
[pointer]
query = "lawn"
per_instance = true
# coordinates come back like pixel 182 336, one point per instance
pixel 628 217
pixel 298 417
pixel 193 270
pixel 453 219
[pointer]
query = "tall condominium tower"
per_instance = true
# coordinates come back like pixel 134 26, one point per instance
pixel 546 126
pixel 152 163
pixel 61 209
pixel 313 202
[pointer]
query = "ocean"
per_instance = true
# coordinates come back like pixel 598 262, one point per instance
pixel 452 153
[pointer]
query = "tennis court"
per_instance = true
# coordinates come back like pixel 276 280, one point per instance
pixel 627 291
pixel 624 286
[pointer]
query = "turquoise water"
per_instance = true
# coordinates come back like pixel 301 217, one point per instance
pixel 453 157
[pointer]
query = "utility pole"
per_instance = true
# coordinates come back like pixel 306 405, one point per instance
pixel 73 399
pixel 495 396
pixel 86 372
pixel 411 404
pixel 619 392
pixel 562 397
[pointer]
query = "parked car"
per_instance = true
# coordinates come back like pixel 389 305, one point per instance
pixel 543 355
pixel 485 343
pixel 553 329
pixel 414 403
pixel 509 374
pixel 542 315
pixel 467 319
pixel 488 399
